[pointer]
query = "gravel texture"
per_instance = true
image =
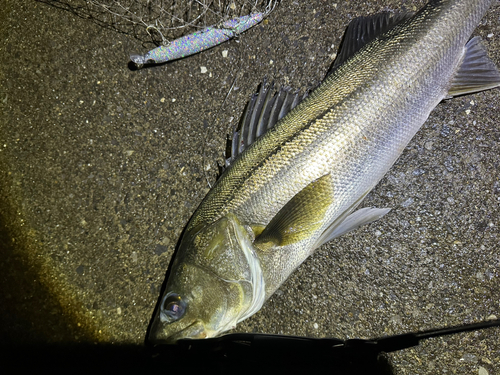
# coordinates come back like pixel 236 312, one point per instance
pixel 102 166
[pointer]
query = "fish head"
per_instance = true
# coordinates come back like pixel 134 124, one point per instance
pixel 215 282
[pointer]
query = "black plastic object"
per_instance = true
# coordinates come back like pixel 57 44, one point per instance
pixel 243 353
pixel 257 353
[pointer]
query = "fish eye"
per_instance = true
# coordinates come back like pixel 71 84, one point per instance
pixel 172 308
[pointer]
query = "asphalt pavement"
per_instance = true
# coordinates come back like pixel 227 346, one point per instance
pixel 103 165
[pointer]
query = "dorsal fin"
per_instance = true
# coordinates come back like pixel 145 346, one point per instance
pixel 476 72
pixel 262 112
pixel 363 30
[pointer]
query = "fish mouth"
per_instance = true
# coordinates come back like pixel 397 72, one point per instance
pixel 196 330
pixel 159 333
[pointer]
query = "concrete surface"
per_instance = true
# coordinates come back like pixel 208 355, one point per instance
pixel 102 166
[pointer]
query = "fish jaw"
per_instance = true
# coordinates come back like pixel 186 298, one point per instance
pixel 159 335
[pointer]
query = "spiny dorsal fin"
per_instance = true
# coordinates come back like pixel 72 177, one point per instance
pixel 262 112
pixel 363 30
pixel 301 216
pixel 476 72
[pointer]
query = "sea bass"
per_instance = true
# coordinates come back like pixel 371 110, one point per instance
pixel 297 183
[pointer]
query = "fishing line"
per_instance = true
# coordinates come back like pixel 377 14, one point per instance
pixel 238 71
pixel 269 8
pixel 204 166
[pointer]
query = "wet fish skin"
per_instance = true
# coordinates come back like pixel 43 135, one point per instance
pixel 292 189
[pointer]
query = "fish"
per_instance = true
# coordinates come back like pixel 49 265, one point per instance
pixel 303 165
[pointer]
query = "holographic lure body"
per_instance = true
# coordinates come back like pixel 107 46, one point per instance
pixel 199 41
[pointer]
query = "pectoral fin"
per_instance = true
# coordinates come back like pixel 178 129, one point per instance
pixel 476 72
pixel 300 217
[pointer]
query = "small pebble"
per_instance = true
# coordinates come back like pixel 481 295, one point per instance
pixel 471 358
pixel 407 202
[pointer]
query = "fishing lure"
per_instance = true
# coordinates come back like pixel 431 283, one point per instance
pixel 200 40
